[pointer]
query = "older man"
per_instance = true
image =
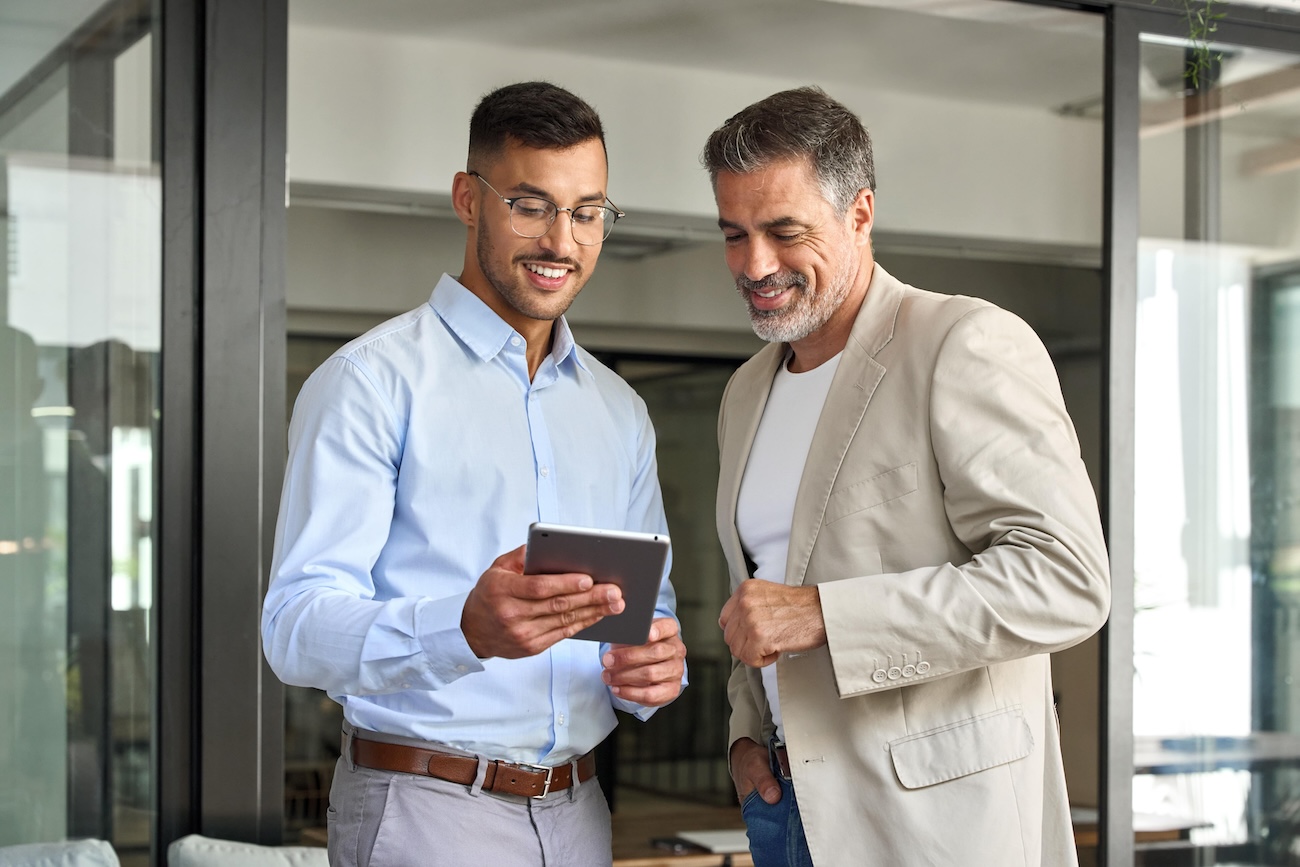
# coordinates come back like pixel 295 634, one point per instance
pixel 899 474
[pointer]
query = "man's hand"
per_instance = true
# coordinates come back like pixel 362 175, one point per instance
pixel 750 770
pixel 649 674
pixel 511 615
pixel 763 619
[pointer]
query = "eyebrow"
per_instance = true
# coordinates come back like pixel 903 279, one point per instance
pixel 778 223
pixel 530 190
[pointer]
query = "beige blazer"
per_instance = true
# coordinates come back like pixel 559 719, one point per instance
pixel 947 518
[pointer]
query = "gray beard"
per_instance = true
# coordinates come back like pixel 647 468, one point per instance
pixel 796 321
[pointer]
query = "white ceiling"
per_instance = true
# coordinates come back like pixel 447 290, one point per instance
pixel 982 50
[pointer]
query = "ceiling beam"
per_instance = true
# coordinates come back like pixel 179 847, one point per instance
pixel 1281 157
pixel 1168 115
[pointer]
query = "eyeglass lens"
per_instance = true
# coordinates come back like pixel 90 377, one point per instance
pixel 532 217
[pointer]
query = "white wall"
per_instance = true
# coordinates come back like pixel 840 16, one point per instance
pixel 392 111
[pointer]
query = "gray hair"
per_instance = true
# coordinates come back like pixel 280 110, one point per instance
pixel 803 123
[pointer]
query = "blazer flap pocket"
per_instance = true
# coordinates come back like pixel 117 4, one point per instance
pixel 872 492
pixel 961 748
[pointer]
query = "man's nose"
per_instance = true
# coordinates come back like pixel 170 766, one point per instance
pixel 559 235
pixel 760 261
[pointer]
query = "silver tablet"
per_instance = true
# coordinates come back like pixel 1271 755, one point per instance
pixel 634 561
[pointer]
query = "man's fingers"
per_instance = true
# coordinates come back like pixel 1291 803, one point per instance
pixel 650 696
pixel 624 658
pixel 549 586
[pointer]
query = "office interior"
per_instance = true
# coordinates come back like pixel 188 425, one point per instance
pixel 202 200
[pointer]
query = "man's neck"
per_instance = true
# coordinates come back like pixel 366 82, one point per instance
pixel 538 334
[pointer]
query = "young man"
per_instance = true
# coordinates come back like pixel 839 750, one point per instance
pixel 422 451
pixel 899 467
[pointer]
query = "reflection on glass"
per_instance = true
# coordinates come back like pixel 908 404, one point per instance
pixel 79 341
pixel 1217 526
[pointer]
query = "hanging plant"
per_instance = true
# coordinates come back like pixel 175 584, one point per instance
pixel 1203 17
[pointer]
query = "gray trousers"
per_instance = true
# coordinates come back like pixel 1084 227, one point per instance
pixel 385 819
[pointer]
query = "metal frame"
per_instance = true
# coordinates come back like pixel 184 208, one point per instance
pixel 223 88
pixel 242 441
pixel 1119 241
pixel 1126 22
pixel 179 148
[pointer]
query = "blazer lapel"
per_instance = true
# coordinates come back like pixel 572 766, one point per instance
pixel 744 403
pixel 851 389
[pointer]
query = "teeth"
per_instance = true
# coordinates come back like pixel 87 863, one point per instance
pixel 546 272
pixel 771 294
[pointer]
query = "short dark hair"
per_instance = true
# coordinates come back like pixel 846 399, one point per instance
pixel 536 114
pixel 803 123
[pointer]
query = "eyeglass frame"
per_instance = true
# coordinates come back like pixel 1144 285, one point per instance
pixel 510 204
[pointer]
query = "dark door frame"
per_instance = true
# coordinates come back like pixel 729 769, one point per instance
pixel 221 74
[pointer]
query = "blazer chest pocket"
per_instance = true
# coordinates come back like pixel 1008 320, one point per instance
pixel 867 493
pixel 962 748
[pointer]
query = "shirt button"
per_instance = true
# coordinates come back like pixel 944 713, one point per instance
pixel 561 719
pixel 514 341
pixel 545 471
pixel 406 686
pixel 462 668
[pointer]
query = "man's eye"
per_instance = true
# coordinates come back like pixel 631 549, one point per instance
pixel 786 239
pixel 528 209
pixel 586 216
pixel 732 239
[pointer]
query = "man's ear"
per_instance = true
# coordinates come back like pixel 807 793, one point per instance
pixel 465 199
pixel 862 215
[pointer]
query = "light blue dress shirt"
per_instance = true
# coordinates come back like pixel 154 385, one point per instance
pixel 419 453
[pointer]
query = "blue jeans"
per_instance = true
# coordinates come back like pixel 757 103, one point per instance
pixel 775 831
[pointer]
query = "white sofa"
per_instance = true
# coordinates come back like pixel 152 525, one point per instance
pixel 192 851
pixel 199 851
pixel 68 853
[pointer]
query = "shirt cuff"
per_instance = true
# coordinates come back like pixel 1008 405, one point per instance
pixel 437 623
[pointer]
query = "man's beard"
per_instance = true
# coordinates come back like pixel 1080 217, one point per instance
pixel 801 316
pixel 517 294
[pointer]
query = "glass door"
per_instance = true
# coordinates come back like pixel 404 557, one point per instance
pixel 80 309
pixel 1214 324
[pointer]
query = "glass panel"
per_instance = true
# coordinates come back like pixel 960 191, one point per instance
pixel 1217 441
pixel 681 751
pixel 80 314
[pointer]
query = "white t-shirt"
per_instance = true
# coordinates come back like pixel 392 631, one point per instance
pixel 765 509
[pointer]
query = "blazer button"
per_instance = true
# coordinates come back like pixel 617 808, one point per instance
pixel 878 675
pixel 895 673
pixel 922 667
pixel 909 670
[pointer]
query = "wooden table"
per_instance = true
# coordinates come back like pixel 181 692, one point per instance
pixel 636 825
pixel 1147 827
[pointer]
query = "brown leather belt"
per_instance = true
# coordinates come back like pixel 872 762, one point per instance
pixel 530 781
pixel 782 760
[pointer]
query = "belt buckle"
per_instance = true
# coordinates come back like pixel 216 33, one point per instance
pixel 546 787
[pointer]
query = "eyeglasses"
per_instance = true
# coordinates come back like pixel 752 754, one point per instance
pixel 532 217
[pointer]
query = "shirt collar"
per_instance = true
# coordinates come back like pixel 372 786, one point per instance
pixel 484 332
